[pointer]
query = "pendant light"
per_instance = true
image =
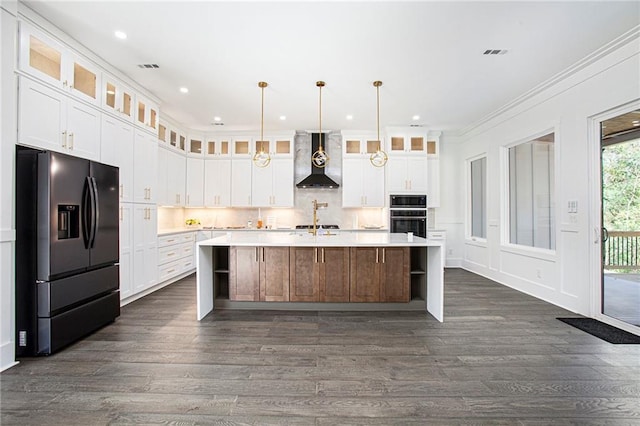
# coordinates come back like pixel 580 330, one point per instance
pixel 320 157
pixel 261 158
pixel 378 158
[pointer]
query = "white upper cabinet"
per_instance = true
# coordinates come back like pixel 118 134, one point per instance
pixel 196 146
pixel 242 147
pixel 147 114
pixel 217 183
pixel 406 141
pixel 241 182
pixel 218 147
pixel 116 148
pixel 272 186
pixel 407 175
pixel 362 183
pixel 51 120
pixel 276 146
pixel 145 174
pixel 195 182
pixel 117 98
pixel 55 64
pixel 360 145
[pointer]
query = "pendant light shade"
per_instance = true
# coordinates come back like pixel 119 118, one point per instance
pixel 320 157
pixel 262 158
pixel 378 158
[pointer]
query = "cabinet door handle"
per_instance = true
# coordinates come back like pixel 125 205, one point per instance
pixel 315 252
pixel 71 138
pixel 256 254
pixel 384 252
pixel 262 254
pixel 377 255
pixel 121 215
pixel 65 83
pixel 323 255
pixel 64 139
pixel 121 190
pixel 149 192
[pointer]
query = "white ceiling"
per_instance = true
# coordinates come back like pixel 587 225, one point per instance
pixel 429 55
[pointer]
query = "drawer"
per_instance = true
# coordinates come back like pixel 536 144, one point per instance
pixel 169 254
pixel 436 235
pixel 168 240
pixel 169 270
pixel 186 249
pixel 187 264
pixel 188 237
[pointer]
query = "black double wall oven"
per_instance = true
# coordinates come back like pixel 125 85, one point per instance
pixel 408 213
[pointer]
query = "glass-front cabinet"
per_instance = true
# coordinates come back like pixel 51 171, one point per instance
pixel 196 146
pixel 51 62
pixel 242 147
pixel 117 98
pixel 407 141
pixel 147 114
pixel 218 147
pixel 276 146
pixel 360 145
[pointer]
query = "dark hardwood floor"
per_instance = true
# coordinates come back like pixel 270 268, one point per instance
pixel 499 358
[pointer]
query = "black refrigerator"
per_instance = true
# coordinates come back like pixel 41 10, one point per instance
pixel 67 249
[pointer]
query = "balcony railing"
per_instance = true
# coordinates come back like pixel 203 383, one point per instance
pixel 622 250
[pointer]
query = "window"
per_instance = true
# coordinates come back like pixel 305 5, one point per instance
pixel 478 197
pixel 531 193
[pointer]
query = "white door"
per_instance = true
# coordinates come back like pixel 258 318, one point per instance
pixel 126 250
pixel 262 185
pixel 83 130
pixel 373 185
pixel 283 183
pixel 195 182
pixel 116 148
pixel 417 174
pixel 241 182
pixel 397 175
pixel 352 195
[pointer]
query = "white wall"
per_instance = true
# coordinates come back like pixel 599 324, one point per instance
pixel 8 134
pixel 605 80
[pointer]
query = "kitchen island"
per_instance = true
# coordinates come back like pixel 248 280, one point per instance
pixel 300 271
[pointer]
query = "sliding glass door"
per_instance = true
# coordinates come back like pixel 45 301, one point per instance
pixel 620 191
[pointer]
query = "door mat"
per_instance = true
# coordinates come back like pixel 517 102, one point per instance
pixel 603 331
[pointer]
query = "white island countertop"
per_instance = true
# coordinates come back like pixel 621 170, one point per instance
pixel 432 251
pixel 298 239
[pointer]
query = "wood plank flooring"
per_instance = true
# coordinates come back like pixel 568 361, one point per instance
pixel 499 358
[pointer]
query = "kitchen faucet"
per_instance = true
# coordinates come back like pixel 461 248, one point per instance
pixel 316 206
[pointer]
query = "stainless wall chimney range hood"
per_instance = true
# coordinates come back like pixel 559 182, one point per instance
pixel 317 178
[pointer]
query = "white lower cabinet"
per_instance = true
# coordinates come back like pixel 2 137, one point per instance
pixel 362 183
pixel 175 255
pixel 217 183
pixel 145 246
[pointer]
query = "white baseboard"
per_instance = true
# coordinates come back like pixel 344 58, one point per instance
pixel 7 355
pixel 155 288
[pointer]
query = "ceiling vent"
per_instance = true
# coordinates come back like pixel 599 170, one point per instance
pixel 495 52
pixel 152 66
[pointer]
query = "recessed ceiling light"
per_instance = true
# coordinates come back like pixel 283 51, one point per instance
pixel 415 117
pixel 217 119
pixel 120 34
pixel 283 117
pixel 349 117
pixel 184 90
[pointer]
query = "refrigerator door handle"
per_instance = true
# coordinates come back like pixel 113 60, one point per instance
pixel 87 203
pixel 95 211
